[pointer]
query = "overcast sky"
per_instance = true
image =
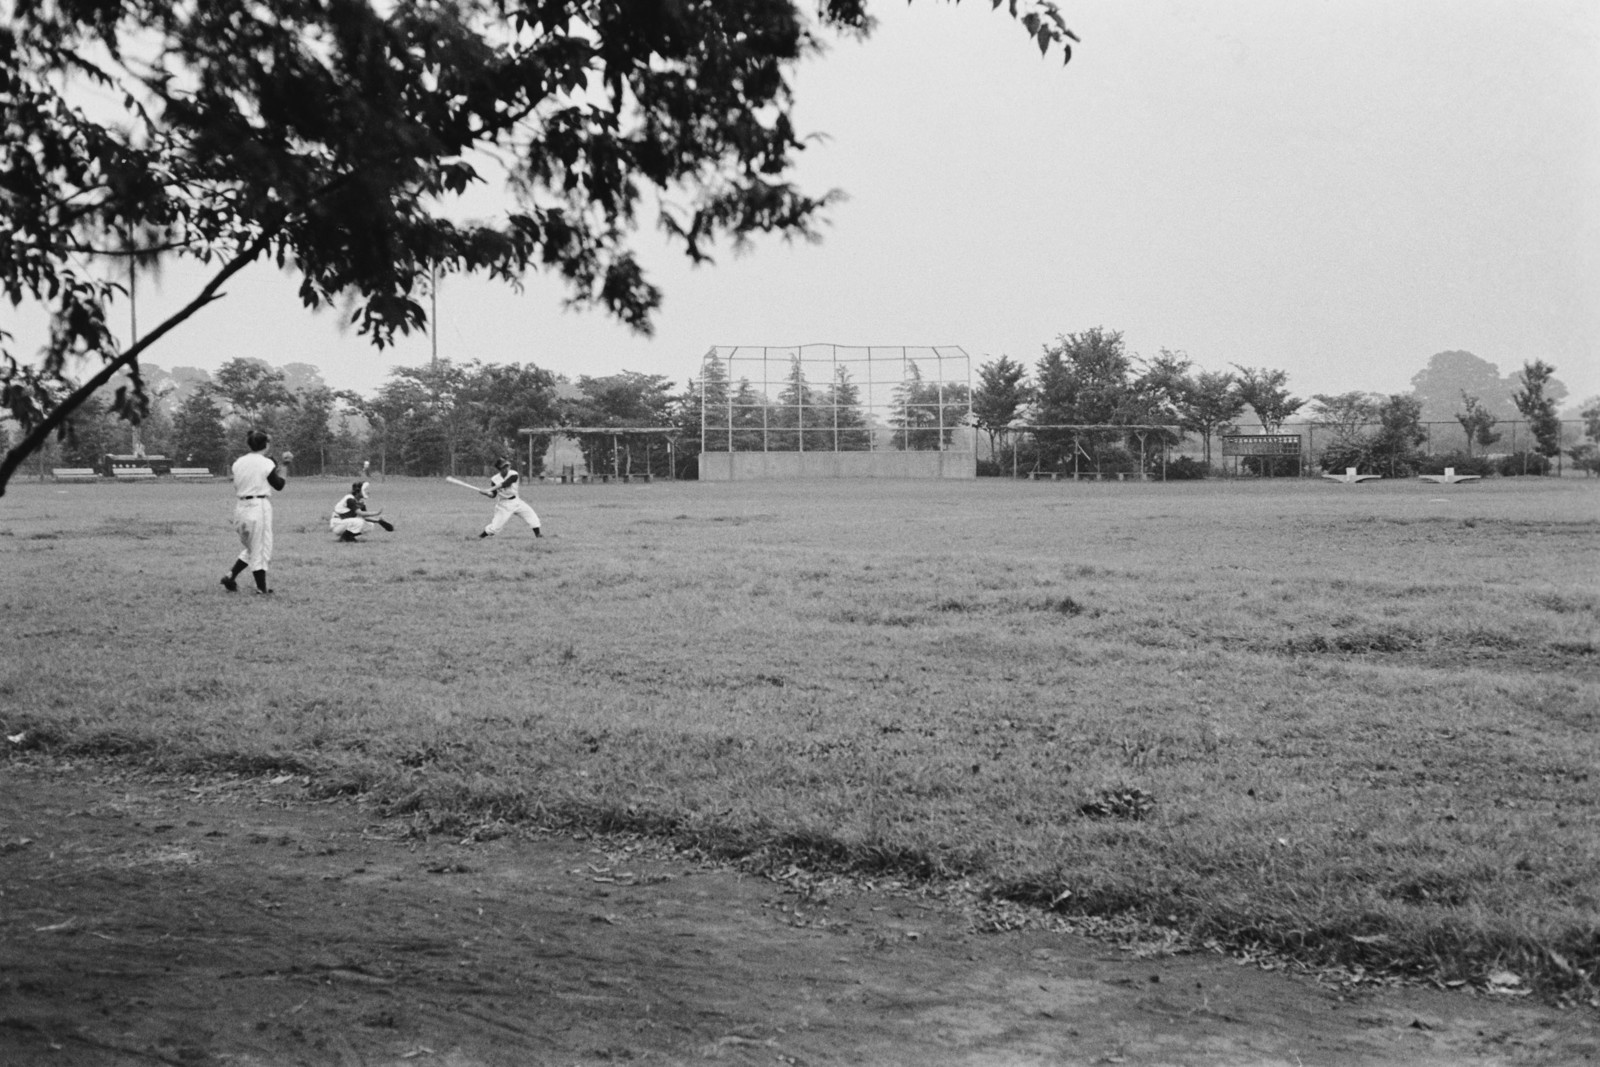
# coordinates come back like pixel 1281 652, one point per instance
pixel 1336 189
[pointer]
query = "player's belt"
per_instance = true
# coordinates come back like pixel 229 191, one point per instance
pixel 257 496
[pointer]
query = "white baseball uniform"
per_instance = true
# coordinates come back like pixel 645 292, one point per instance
pixel 346 517
pixel 252 511
pixel 503 488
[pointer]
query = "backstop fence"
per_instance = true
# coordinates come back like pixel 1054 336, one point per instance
pixel 826 410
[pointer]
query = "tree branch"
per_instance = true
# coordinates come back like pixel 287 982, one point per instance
pixel 36 438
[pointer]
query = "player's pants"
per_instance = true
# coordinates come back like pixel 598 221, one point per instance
pixel 504 509
pixel 253 521
pixel 351 526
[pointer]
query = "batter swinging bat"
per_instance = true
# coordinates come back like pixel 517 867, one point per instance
pixel 465 485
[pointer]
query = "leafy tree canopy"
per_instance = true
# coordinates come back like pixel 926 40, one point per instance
pixel 1477 422
pixel 334 136
pixel 630 398
pixel 1440 384
pixel 1000 397
pixel 1346 414
pixel 251 387
pixel 1536 402
pixel 1589 412
pixel 1083 378
pixel 1448 375
pixel 1267 394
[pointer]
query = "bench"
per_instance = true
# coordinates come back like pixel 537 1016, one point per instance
pixel 191 474
pixel 1449 477
pixel 74 474
pixel 1034 476
pixel 132 474
pixel 1350 477
pixel 636 478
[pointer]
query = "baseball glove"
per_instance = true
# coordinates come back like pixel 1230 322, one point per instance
pixel 386 524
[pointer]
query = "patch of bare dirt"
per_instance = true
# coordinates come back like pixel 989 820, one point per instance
pixel 159 921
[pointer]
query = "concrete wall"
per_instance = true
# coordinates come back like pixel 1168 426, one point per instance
pixel 777 466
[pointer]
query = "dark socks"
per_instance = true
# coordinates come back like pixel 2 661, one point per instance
pixel 261 579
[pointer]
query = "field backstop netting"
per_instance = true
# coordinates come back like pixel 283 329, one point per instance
pixel 836 411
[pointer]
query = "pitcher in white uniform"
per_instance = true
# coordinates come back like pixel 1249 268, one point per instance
pixel 504 491
pixel 255 476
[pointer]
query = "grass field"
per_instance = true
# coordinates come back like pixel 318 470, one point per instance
pixel 1358 725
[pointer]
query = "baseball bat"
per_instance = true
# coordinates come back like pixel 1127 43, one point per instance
pixel 467 485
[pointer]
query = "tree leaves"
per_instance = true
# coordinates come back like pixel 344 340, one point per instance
pixel 332 137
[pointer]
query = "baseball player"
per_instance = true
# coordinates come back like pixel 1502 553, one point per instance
pixel 255 476
pixel 351 519
pixel 503 491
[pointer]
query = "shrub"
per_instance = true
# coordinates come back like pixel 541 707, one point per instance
pixel 1393 447
pixel 1369 460
pixel 1115 460
pixel 989 468
pixel 1516 463
pixel 1460 462
pixel 1339 457
pixel 1186 468
pixel 1585 457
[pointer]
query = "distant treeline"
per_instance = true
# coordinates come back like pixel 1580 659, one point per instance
pixel 449 417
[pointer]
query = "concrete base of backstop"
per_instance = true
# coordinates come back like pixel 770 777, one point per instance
pixel 779 466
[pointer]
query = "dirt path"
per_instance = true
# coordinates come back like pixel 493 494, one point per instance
pixel 174 922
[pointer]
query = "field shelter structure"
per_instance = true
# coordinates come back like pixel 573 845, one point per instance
pixel 616 433
pixel 836 411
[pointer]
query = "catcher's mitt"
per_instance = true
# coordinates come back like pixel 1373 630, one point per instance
pixel 285 456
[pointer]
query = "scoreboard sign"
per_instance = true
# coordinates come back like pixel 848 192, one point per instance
pixel 1261 444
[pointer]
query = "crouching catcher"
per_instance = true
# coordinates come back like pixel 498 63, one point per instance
pixel 351 519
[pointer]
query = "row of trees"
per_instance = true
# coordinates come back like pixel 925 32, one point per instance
pixel 1385 433
pixel 1088 403
pixel 337 140
pixel 448 417
pixel 1088 384
pixel 442 418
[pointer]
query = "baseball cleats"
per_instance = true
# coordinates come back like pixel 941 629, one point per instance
pixel 229 584
pixel 263 592
pixel 346 536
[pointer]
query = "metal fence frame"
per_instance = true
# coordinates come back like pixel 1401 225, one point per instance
pixel 1444 436
pixel 769 385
